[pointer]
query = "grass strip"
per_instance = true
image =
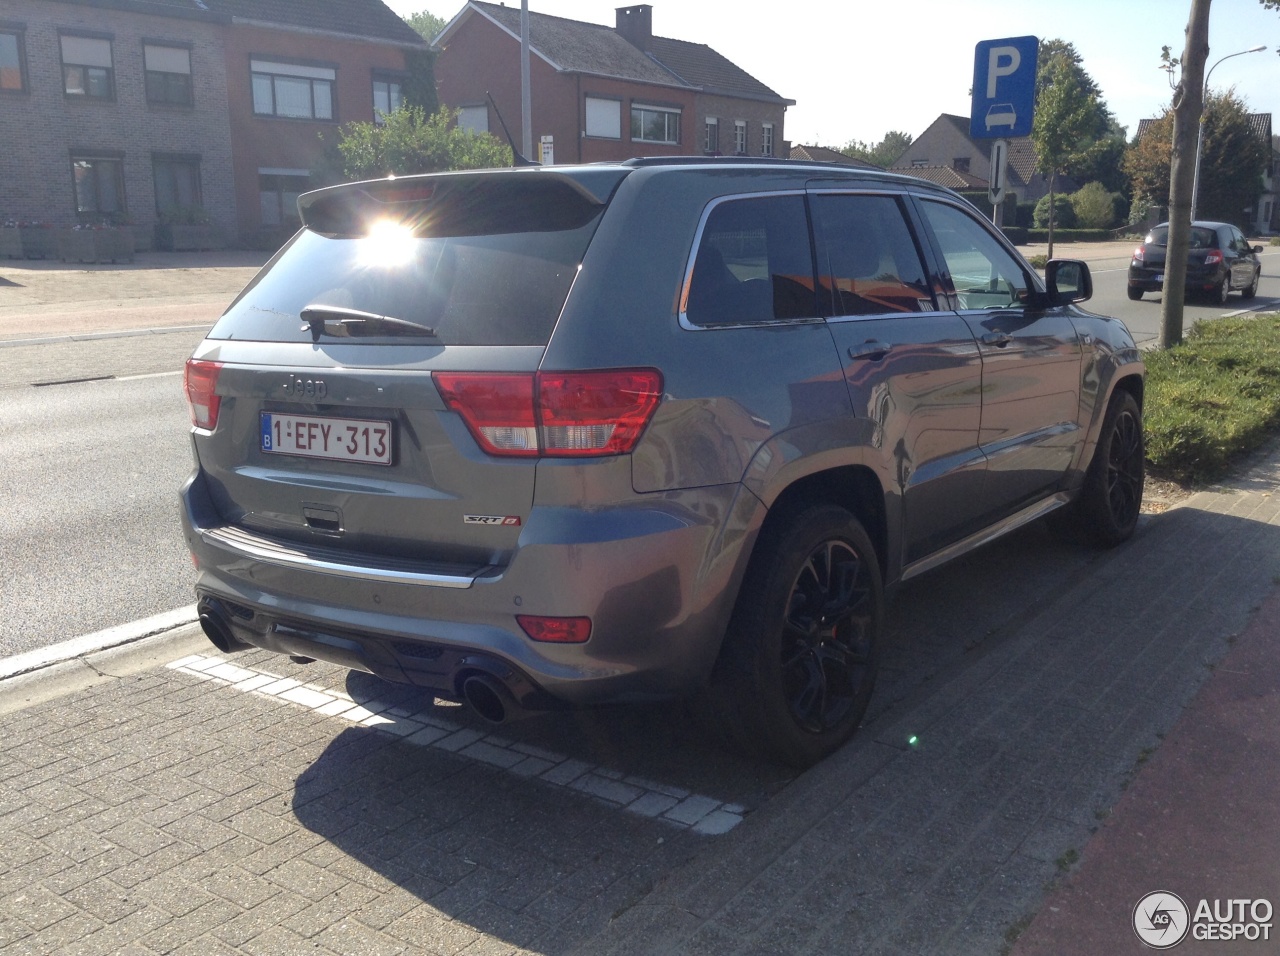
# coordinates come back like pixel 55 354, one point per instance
pixel 1212 399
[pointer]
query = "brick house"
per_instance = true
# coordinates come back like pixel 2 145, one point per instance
pixel 119 109
pixel 946 154
pixel 604 93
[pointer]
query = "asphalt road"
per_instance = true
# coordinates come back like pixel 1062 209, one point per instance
pixel 89 535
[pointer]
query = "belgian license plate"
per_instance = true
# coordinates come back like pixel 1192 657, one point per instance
pixel 337 439
pixel 1158 278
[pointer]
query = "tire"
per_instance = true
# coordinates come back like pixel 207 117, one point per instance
pixel 1110 501
pixel 1135 292
pixel 1252 289
pixel 1219 295
pixel 799 661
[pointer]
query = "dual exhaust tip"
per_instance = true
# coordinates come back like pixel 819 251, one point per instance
pixel 487 695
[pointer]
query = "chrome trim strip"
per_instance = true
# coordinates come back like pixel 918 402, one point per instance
pixel 987 535
pixel 251 546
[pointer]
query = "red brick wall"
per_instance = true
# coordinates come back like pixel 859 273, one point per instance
pixel 276 142
pixel 481 57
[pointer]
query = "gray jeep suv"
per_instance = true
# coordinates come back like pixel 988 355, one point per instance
pixel 556 436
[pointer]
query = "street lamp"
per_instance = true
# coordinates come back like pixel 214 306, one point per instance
pixel 1195 185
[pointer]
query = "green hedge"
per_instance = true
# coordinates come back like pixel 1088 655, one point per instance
pixel 1068 235
pixel 1016 234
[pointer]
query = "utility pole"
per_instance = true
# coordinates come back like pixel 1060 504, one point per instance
pixel 526 96
pixel 1188 105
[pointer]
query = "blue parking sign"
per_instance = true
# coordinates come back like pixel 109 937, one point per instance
pixel 1004 88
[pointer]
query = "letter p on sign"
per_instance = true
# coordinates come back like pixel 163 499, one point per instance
pixel 1004 61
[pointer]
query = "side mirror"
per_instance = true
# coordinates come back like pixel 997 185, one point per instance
pixel 1067 280
pixel 1257 248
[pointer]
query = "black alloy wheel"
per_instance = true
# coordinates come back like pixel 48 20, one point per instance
pixel 1223 291
pixel 1125 466
pixel 827 640
pixel 1252 288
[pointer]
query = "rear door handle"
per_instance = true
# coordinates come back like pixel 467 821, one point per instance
pixel 998 339
pixel 870 349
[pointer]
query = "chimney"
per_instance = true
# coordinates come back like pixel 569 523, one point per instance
pixel 636 25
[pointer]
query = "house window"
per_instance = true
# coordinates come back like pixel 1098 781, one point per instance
pixel 960 164
pixel 711 141
pixel 740 137
pixel 387 98
pixel 766 139
pixel 919 163
pixel 655 124
pixel 474 118
pixel 168 74
pixel 86 67
pixel 278 192
pixel 604 118
pixel 13 61
pixel 292 90
pixel 177 179
pixel 99 186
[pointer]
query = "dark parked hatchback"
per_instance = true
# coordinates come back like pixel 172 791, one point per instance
pixel 658 429
pixel 1219 261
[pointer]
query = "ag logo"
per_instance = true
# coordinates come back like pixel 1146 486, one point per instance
pixel 1161 920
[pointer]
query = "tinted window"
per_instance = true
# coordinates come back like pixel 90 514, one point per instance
pixel 983 273
pixel 492 288
pixel 754 264
pixel 1201 238
pixel 867 261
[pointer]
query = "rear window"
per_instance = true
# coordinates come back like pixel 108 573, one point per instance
pixel 495 274
pixel 1200 238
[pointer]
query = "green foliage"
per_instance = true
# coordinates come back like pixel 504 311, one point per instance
pixel 1232 160
pixel 419 87
pixel 1094 206
pixel 1064 217
pixel 412 142
pixel 884 153
pixel 1212 399
pixel 1069 235
pixel 427 24
pixel 1072 129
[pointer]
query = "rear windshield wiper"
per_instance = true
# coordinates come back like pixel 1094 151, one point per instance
pixel 352 323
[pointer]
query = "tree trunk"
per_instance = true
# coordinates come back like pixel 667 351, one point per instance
pixel 1187 107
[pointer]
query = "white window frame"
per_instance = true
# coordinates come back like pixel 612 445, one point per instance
pixel 393 98
pixel 269 78
pixel 603 117
pixel 766 139
pixel 671 114
pixel 740 137
pixel 711 135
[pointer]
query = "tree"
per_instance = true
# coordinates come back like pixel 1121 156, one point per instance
pixel 1072 122
pixel 1094 206
pixel 884 153
pixel 1188 104
pixel 427 24
pixel 1146 161
pixel 410 141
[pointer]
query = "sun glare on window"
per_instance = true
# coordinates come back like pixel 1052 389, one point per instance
pixel 388 244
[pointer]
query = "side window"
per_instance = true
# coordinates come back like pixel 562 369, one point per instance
pixel 868 264
pixel 983 274
pixel 753 264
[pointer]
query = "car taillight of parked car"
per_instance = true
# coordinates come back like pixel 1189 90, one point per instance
pixel 200 380
pixel 1139 255
pixel 1213 257
pixel 557 414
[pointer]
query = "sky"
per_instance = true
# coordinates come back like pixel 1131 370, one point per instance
pixel 860 68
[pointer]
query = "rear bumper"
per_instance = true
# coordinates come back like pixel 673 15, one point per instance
pixel 656 576
pixel 1152 280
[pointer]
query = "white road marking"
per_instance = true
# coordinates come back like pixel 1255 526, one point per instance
pixel 673 805
pixel 134 378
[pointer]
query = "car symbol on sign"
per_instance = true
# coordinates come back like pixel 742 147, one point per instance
pixel 1001 114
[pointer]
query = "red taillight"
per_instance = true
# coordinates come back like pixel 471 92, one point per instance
pixel 1139 254
pixel 1213 257
pixel 497 407
pixel 556 630
pixel 201 381
pixel 560 414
